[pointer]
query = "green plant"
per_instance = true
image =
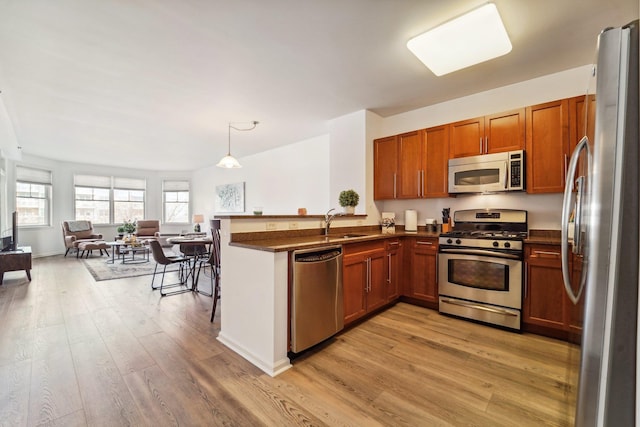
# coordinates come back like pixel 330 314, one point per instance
pixel 348 198
pixel 129 226
pixel 120 229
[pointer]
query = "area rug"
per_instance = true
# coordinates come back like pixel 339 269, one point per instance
pixel 101 270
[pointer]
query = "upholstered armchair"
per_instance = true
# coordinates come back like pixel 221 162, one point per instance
pixel 147 228
pixel 76 232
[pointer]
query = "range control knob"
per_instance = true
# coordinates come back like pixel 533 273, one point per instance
pixel 507 244
pixel 458 241
pixel 449 241
pixel 496 244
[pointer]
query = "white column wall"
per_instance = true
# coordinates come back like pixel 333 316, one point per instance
pixel 254 312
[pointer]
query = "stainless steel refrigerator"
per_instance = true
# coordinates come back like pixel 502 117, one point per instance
pixel 603 199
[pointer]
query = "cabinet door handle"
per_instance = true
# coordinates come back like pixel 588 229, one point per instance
pixel 389 270
pixel 394 185
pixel 423 183
pixel 481 150
pixel 394 243
pixel 546 253
pixel 423 243
pixel 368 287
pixel 419 173
pixel 486 144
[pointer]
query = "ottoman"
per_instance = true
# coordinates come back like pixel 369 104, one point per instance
pixel 89 247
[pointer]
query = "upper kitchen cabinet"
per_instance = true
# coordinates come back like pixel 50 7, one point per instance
pixel 489 134
pixel 547 151
pixel 581 123
pixel 385 165
pixel 412 165
pixel 436 158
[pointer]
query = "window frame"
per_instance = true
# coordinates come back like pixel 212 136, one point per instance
pixel 176 186
pixel 34 176
pixel 111 184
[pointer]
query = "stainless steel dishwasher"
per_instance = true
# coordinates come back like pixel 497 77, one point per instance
pixel 316 297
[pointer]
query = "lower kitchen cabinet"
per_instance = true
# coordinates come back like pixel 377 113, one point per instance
pixel 546 307
pixel 423 261
pixel 364 279
pixel 394 268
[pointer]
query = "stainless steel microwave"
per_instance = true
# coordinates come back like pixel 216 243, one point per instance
pixel 487 173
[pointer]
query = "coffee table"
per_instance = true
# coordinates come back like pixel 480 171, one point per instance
pixel 127 253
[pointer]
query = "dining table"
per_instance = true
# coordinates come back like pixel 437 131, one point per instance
pixel 200 246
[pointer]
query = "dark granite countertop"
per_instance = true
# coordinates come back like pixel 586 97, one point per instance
pixel 290 243
pixel 543 237
pixel 307 239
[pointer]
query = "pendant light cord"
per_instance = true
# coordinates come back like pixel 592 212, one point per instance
pixel 254 123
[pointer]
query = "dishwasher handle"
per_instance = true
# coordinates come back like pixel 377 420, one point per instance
pixel 319 255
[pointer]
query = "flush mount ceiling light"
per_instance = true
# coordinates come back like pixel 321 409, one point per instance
pixel 228 161
pixel 469 39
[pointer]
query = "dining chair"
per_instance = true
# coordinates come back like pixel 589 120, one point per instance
pixel 213 261
pixel 162 259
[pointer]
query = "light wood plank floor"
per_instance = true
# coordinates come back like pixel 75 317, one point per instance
pixel 76 352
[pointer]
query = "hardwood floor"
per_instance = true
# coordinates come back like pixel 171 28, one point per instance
pixel 76 352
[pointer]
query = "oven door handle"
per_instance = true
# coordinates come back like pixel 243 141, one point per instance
pixel 479 307
pixel 481 253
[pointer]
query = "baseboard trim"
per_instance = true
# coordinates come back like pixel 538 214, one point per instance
pixel 272 369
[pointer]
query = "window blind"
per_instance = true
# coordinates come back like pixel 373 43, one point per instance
pixel 32 175
pixel 175 185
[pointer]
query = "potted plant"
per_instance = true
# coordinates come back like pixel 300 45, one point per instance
pixel 129 226
pixel 349 200
pixel 120 230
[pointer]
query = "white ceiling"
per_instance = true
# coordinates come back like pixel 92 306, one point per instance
pixel 153 83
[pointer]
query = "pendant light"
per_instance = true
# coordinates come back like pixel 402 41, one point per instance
pixel 228 161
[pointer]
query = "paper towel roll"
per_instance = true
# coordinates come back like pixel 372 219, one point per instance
pixel 410 221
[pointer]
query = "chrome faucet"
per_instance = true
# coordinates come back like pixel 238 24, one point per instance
pixel 328 217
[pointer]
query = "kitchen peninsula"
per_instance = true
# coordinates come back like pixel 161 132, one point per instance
pixel 255 277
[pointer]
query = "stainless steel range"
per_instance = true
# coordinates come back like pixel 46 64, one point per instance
pixel 480 266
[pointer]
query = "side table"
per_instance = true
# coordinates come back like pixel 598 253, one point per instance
pixel 16 260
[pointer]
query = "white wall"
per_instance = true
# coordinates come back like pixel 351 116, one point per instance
pixel 348 158
pixel 45 241
pixel 280 180
pixel 544 210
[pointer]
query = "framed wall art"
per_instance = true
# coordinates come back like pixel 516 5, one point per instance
pixel 230 198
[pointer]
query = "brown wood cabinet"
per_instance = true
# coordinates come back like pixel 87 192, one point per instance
pixel 489 134
pixel 544 299
pixel 546 304
pixel 385 166
pixel 410 170
pixel 423 260
pixel 412 165
pixel 364 279
pixel 436 162
pixel 547 146
pixel 581 124
pixel 394 255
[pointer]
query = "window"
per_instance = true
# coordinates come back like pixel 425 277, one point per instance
pixel 33 196
pixel 108 200
pixel 128 199
pixel 175 201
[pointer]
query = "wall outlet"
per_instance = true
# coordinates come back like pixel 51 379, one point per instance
pixel 271 226
pixel 293 226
